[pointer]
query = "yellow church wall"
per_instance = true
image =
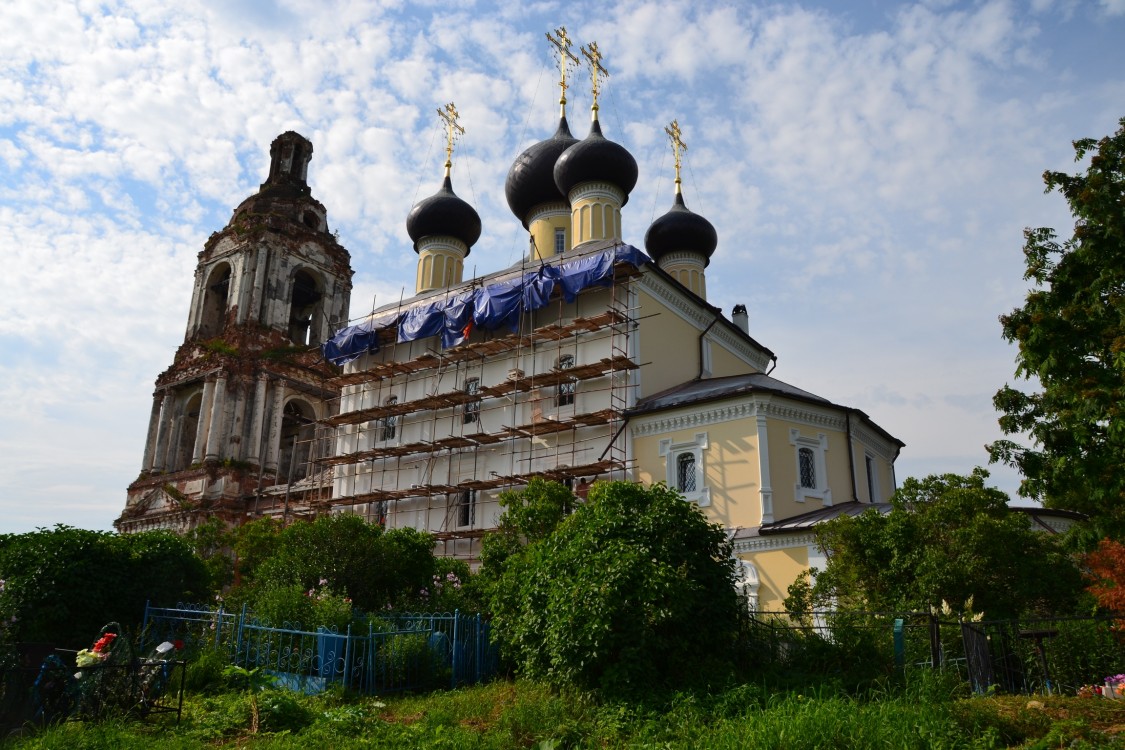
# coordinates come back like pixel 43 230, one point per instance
pixel 730 468
pixel 667 344
pixel 724 362
pixel 543 230
pixel 777 570
pixel 783 467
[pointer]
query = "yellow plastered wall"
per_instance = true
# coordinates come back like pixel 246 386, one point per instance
pixel 777 570
pixel 724 362
pixel 783 467
pixel 439 266
pixel 543 227
pixel 730 468
pixel 671 344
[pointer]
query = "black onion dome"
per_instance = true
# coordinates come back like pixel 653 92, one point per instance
pixel 531 180
pixel 444 214
pixel 596 159
pixel 680 229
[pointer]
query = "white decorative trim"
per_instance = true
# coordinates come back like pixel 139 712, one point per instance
pixel 872 441
pixel 739 407
pixel 765 489
pixel 818 446
pixel 546 211
pixel 757 358
pixel 686 257
pixel 774 542
pixel 594 190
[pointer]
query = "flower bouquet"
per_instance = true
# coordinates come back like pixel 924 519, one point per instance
pixel 1113 686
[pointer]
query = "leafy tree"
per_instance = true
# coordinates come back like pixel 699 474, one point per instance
pixel 633 591
pixel 947 538
pixel 212 540
pixel 371 566
pixel 1071 337
pixel 63 584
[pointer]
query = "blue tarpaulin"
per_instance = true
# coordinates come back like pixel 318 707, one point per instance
pixel 493 306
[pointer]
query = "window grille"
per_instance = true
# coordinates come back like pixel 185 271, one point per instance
pixel 685 472
pixel 565 395
pixel 471 411
pixel 807 463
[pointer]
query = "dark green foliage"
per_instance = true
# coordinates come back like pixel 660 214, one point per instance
pixel 356 559
pixel 211 540
pixel 632 592
pixel 1071 337
pixel 948 538
pixel 63 584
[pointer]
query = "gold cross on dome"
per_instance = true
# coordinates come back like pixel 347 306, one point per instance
pixel 678 147
pixel 565 58
pixel 597 72
pixel 454 130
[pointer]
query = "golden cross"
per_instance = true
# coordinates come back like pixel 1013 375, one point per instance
pixel 678 147
pixel 594 58
pixel 450 115
pixel 566 60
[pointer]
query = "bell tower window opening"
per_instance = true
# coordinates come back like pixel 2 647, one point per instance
pixel 389 426
pixel 189 425
pixel 215 294
pixel 297 425
pixel 471 413
pixel 565 394
pixel 305 309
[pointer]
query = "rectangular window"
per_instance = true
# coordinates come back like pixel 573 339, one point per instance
pixel 467 508
pixel 560 241
pixel 471 411
pixel 807 460
pixel 565 395
pixel 685 473
pixel 390 422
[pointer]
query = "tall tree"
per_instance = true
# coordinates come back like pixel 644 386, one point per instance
pixel 946 538
pixel 1071 337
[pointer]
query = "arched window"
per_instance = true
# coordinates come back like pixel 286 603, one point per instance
pixel 471 411
pixel 215 293
pixel 305 309
pixel 807 461
pixel 297 428
pixel 565 394
pixel 685 473
pixel 389 426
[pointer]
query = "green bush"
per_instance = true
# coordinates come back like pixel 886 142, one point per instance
pixel 632 592
pixel 63 584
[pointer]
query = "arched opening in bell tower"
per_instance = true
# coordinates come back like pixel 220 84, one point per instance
pixel 305 309
pixel 298 423
pixel 215 294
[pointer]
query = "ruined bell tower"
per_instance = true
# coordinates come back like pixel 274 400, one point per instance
pixel 232 417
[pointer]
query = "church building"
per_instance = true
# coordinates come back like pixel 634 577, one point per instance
pixel 589 359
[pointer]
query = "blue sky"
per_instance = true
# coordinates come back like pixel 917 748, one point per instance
pixel 869 168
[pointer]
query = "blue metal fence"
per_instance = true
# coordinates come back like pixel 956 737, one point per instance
pixel 396 652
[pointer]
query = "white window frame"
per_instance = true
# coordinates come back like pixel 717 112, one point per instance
pixel 465 504
pixel 470 412
pixel 819 447
pixel 560 240
pixel 671 453
pixel 871 466
pixel 389 425
pixel 565 392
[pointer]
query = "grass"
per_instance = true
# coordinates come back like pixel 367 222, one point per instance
pixel 524 714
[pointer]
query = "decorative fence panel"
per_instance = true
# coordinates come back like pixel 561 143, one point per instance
pixel 398 652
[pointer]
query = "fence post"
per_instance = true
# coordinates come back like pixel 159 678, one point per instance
pixel 219 627
pixel 477 650
pixel 935 642
pixel 456 622
pixel 347 655
pixel 900 645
